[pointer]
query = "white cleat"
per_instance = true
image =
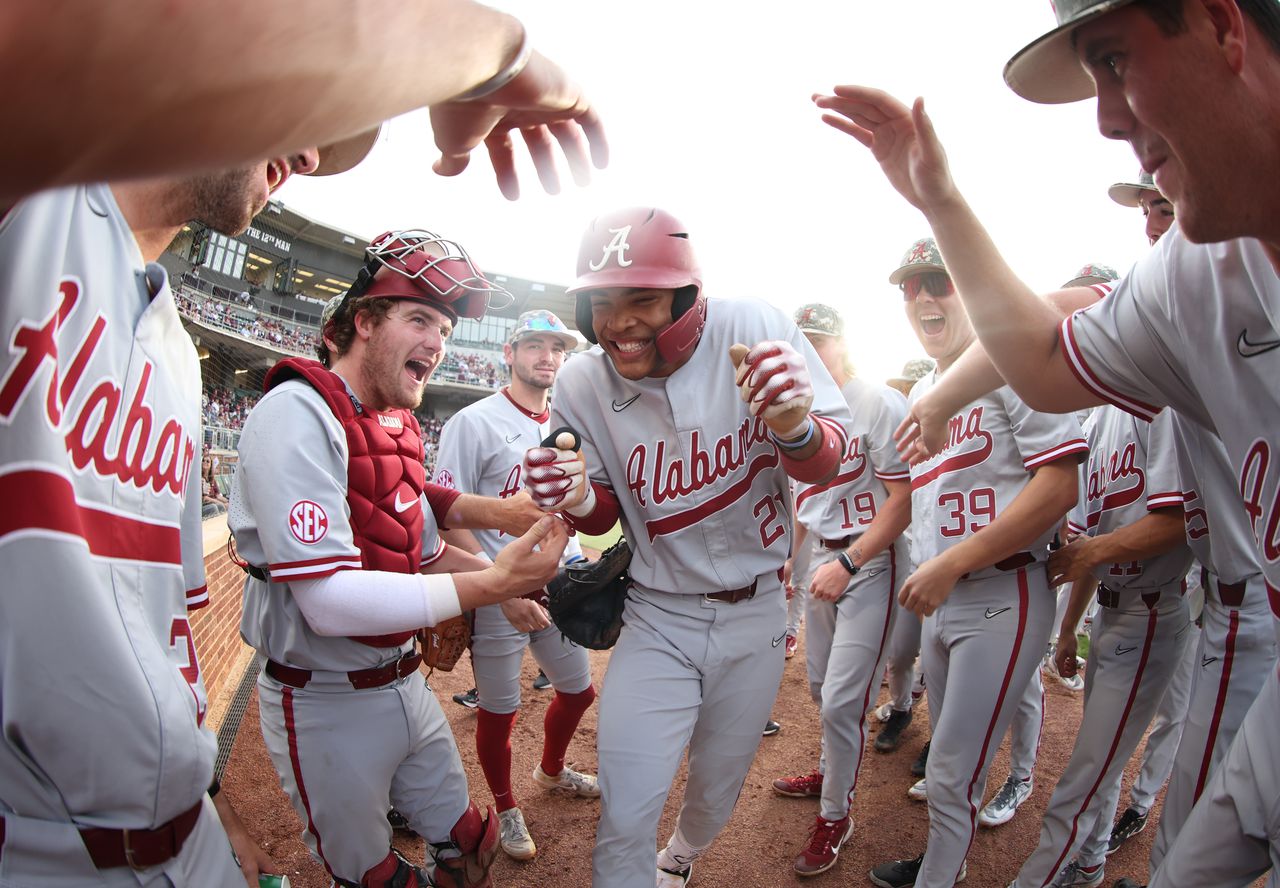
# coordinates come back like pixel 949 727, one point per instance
pixel 570 781
pixel 514 836
pixel 1006 802
pixel 674 878
pixel 918 791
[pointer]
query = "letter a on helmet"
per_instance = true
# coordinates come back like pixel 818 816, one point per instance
pixel 643 247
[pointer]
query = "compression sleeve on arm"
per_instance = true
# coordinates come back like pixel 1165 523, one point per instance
pixel 441 500
pixel 375 602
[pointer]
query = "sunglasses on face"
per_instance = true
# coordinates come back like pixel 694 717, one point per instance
pixel 935 283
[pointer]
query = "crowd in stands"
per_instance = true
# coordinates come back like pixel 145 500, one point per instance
pixel 225 408
pixel 471 368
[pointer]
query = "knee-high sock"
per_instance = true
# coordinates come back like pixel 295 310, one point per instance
pixel 562 719
pixel 493 745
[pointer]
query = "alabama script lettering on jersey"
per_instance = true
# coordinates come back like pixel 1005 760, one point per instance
pixel 710 507
pixel 101 546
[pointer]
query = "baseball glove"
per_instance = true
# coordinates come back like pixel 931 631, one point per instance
pixel 444 643
pixel 585 600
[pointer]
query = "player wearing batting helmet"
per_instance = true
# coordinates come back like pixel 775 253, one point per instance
pixel 691 444
pixel 331 509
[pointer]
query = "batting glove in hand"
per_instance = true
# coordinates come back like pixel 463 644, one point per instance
pixel 556 475
pixel 773 380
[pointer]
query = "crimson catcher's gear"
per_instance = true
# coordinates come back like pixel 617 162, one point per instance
pixel 585 600
pixel 643 247
pixel 456 869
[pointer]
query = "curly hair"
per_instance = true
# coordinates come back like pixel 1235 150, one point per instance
pixel 342 326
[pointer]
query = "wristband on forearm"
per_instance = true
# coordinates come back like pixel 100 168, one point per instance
pixel 847 563
pixel 505 75
pixel 795 443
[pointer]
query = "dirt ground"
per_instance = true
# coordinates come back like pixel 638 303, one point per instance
pixel 766 831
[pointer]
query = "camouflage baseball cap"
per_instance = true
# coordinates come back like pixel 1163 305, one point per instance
pixel 818 318
pixel 923 256
pixel 916 369
pixel 1047 70
pixel 538 321
pixel 330 309
pixel 1127 194
pixel 1093 274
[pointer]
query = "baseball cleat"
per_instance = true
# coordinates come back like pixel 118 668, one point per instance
pixel 771 727
pixel 882 712
pixel 674 878
pixel 802 787
pixel 919 791
pixel 792 644
pixel 569 780
pixel 1129 825
pixel 891 734
pixel 826 838
pixel 1006 802
pixel 922 761
pixel 541 683
pixel 1073 875
pixel 903 873
pixel 399 824
pixel 513 835
pixel 471 699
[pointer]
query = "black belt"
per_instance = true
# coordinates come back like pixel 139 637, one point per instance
pixel 842 543
pixel 140 848
pixel 361 679
pixel 257 573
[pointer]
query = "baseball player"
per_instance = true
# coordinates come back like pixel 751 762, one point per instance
pixel 474 458
pixel 329 508
pixel 1131 541
pixel 983 512
pixel 847 535
pixel 699 479
pixel 1157 209
pixel 105 765
pixel 1193 326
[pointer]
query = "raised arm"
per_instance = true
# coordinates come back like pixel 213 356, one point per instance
pixel 169 88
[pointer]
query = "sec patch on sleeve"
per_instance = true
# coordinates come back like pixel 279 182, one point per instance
pixel 308 522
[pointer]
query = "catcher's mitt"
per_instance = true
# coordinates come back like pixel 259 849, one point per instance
pixel 586 599
pixel 444 643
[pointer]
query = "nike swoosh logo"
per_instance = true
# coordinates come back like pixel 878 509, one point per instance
pixel 403 506
pixel 995 613
pixel 1121 650
pixel 1249 349
pixel 777 641
pixel 1206 661
pixel 511 438
pixel 619 407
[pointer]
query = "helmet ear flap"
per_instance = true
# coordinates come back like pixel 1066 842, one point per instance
pixel 682 300
pixel 582 316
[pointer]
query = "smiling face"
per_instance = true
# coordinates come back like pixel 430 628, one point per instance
pixel 938 319
pixel 395 355
pixel 535 359
pixel 228 200
pixel 1181 104
pixel 626 322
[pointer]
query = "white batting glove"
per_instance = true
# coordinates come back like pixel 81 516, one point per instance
pixel 773 379
pixel 557 480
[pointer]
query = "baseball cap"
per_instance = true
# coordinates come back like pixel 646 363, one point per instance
pixel 531 323
pixel 1096 273
pixel 1047 69
pixel 330 309
pixel 344 154
pixel 915 370
pixel 818 318
pixel 1127 193
pixel 922 257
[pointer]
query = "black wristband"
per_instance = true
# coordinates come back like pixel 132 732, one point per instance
pixel 847 563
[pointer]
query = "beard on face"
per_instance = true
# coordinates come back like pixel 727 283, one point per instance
pixel 226 201
pixel 384 375
pixel 529 379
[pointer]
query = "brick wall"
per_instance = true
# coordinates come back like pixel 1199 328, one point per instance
pixel 216 626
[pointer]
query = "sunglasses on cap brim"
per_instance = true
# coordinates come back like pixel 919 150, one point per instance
pixel 935 283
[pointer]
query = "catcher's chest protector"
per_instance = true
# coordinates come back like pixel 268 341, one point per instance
pixel 384 472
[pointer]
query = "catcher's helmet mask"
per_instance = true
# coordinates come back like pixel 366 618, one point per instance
pixel 643 247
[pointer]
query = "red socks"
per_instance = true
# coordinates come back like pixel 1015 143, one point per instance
pixel 493 745
pixel 562 719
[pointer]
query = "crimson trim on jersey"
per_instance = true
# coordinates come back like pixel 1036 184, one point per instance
pixel 894 476
pixel 1076 528
pixel 1165 500
pixel 1075 445
pixel 544 416
pixel 49 506
pixel 837 481
pixel 1076 361
pixel 1224 685
pixel 314 568
pixel 197 598
pixel 1115 742
pixel 295 761
pixel 951 464
pixel 681 520
pixel 435 556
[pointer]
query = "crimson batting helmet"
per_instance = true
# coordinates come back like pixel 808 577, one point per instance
pixel 643 247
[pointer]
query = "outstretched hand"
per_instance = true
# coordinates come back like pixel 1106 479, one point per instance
pixel 922 433
pixel 901 139
pixel 546 107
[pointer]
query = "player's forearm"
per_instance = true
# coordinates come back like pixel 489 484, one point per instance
pixel 455 559
pixel 1078 602
pixel 1018 330
pixel 1048 496
pixel 1155 533
pixel 460 538
pixel 818 459
pixel 891 520
pixel 376 602
pixel 172 88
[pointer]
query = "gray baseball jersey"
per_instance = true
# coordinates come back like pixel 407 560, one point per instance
pixel 289 513
pixel 847 504
pixel 993 446
pixel 705 502
pixel 100 546
pixel 1132 470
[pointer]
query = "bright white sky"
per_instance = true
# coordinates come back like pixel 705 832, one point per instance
pixel 708 114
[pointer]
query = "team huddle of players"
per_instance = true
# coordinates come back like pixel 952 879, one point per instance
pixel 350 549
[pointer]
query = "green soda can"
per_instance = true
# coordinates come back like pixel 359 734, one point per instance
pixel 269 881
